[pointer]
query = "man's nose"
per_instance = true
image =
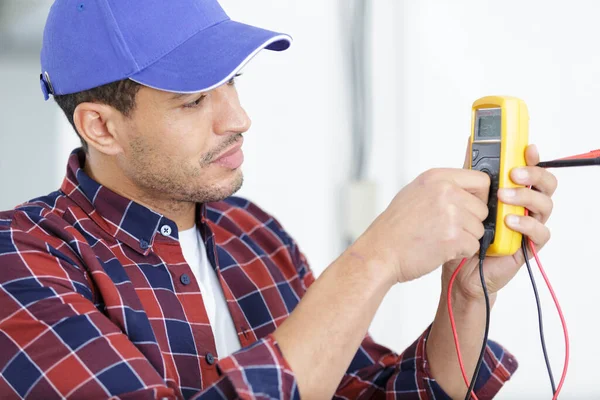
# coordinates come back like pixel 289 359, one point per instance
pixel 232 118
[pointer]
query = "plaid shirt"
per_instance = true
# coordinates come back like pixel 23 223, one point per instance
pixel 97 301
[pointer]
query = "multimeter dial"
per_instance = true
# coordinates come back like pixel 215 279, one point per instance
pixel 486 158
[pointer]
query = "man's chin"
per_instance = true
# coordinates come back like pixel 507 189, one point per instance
pixel 237 183
pixel 224 190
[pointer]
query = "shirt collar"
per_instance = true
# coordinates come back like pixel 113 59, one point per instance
pixel 127 221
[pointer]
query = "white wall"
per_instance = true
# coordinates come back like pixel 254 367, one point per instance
pixel 27 132
pixel 432 59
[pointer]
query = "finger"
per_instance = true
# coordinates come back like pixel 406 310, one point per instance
pixel 532 155
pixel 540 178
pixel 475 182
pixel 469 245
pixel 471 224
pixel 529 226
pixel 472 204
pixel 538 203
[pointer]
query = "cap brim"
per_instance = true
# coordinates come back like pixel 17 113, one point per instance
pixel 210 58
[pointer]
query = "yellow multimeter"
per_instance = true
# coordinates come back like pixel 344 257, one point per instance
pixel 499 137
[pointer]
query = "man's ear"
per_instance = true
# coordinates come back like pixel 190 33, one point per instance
pixel 96 123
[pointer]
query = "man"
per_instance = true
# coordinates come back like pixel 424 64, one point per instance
pixel 143 278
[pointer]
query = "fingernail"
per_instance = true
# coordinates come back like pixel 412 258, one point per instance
pixel 520 174
pixel 508 193
pixel 512 220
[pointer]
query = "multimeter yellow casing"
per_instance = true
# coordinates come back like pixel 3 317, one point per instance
pixel 499 138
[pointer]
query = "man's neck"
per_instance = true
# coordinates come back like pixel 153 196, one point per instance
pixel 106 174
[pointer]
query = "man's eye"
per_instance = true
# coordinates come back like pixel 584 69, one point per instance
pixel 195 103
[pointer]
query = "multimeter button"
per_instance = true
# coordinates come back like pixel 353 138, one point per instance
pixel 475 154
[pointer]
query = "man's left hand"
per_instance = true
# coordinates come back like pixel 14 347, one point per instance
pixel 538 200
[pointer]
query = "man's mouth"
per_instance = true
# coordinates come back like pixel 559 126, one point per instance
pixel 233 157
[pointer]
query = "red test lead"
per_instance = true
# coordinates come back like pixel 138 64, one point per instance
pixel 580 160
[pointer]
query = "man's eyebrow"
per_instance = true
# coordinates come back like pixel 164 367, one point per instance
pixel 178 96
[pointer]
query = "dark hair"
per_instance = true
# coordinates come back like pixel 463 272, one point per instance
pixel 119 95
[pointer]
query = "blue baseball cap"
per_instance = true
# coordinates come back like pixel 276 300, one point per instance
pixel 182 46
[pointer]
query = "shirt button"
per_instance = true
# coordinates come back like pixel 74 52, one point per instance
pixel 144 244
pixel 165 230
pixel 185 279
pixel 210 359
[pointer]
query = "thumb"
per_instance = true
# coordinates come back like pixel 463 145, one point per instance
pixel 468 155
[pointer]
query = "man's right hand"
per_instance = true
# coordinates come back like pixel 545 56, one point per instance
pixel 436 218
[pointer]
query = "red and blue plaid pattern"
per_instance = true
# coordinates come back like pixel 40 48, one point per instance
pixel 96 302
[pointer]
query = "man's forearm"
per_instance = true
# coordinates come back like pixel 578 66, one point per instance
pixel 469 315
pixel 323 333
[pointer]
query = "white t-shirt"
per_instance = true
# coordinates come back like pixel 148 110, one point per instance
pixel 223 328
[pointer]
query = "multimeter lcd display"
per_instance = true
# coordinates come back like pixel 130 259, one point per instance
pixel 488 124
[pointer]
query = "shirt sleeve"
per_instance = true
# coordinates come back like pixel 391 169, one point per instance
pixel 378 373
pixel 55 343
pixel 256 372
